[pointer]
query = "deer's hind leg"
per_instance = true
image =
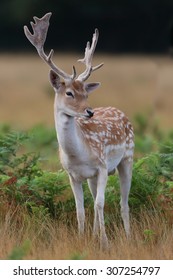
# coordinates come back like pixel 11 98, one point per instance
pixel 125 175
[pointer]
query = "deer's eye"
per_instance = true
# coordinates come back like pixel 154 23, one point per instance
pixel 69 93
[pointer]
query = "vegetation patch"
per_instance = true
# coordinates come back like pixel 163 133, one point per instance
pixel 38 203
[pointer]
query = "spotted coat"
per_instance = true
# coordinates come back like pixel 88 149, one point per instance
pixel 106 132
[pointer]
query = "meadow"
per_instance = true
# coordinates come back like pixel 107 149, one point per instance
pixel 37 210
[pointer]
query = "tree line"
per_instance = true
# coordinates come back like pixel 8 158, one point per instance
pixel 125 26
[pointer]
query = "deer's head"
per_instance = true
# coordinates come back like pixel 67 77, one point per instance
pixel 71 91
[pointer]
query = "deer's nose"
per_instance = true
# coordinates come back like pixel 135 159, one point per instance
pixel 90 112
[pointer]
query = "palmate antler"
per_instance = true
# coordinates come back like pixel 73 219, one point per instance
pixel 38 38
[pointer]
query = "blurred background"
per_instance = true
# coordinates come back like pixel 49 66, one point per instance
pixel 135 44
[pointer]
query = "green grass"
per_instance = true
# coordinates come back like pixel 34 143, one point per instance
pixel 41 200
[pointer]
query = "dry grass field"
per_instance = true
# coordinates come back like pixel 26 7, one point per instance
pixel 139 84
pixel 133 84
pixel 151 238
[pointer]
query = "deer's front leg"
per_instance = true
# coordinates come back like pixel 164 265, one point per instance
pixel 92 183
pixel 99 204
pixel 79 200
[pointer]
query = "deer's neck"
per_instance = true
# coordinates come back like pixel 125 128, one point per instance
pixel 68 134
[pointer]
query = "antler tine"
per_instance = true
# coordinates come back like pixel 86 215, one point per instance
pixel 38 38
pixel 87 60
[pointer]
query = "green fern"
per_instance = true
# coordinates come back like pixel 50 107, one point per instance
pixel 20 252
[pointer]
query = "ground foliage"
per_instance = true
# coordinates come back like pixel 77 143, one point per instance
pixel 26 183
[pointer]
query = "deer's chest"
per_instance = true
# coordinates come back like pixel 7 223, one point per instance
pixel 80 168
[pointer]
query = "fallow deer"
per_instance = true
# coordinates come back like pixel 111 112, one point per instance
pixel 92 143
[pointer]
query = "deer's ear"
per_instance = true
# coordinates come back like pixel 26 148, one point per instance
pixel 91 86
pixel 54 80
